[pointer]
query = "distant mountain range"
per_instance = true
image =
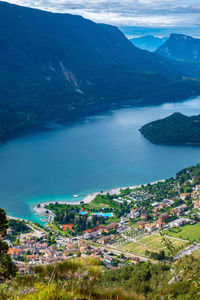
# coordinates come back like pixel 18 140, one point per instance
pixel 62 65
pixel 177 129
pixel 181 47
pixel 148 42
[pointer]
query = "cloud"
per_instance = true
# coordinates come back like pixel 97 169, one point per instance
pixel 160 13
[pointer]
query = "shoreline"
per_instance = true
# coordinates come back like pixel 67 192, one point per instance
pixel 40 210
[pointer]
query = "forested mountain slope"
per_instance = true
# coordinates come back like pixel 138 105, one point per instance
pixel 60 64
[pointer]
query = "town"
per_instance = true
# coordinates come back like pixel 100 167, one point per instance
pixel 158 221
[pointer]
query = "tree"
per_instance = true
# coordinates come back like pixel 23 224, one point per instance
pixel 7 267
pixel 3 223
pixel 122 256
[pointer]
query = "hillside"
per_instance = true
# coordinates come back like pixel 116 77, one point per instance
pixel 176 129
pixel 84 279
pixel 148 42
pixel 61 65
pixel 181 47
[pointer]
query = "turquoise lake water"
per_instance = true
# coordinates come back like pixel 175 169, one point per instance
pixel 98 153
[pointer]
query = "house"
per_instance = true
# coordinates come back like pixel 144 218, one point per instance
pixel 150 227
pixel 30 243
pixel 85 248
pixel 134 213
pixel 135 260
pixel 179 222
pixel 109 261
pixel 112 226
pixel 14 252
pixel 155 215
pixel 163 217
pixel 33 257
pixel 184 195
pixel 66 226
pixel 194 194
pixel 163 205
pixel 197 205
pixel 106 239
pixel 141 225
pixel 144 217
pixel 159 224
pixel 156 209
pixel 178 210
pixel 197 187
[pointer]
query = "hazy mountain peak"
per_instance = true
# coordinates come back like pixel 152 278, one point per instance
pixel 148 42
pixel 181 47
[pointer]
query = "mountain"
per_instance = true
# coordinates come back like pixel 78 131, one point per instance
pixel 176 129
pixel 148 42
pixel 181 47
pixel 61 65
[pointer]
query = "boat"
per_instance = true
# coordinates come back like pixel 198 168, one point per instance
pixel 75 196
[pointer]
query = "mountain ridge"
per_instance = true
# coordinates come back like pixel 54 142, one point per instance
pixel 60 65
pixel 148 42
pixel 181 47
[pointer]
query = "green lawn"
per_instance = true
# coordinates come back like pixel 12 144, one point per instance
pixel 135 248
pixel 187 232
pixel 152 243
pixel 104 202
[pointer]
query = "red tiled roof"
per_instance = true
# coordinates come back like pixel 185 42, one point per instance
pixel 13 251
pixel 93 229
pixel 67 226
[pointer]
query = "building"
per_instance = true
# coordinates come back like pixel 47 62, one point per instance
pixel 141 225
pixel 159 224
pixel 184 195
pixel 109 227
pixel 106 239
pixel 66 226
pixel 163 217
pixel 144 217
pixel 14 252
pixel 150 227
pixel 178 210
pixel 135 213
pixel 179 222
pixel 197 205
pixel 156 209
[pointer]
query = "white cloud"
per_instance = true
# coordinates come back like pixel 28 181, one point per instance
pixel 126 12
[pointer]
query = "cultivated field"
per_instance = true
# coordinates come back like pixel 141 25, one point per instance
pixel 135 248
pixel 152 243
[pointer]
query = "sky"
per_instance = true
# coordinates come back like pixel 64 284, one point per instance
pixel 165 15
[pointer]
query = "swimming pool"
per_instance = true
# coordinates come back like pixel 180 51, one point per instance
pixel 83 213
pixel 105 215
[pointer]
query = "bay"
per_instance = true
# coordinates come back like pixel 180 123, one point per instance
pixel 98 153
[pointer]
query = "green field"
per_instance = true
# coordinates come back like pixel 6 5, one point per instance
pixel 135 248
pixel 152 243
pixel 187 232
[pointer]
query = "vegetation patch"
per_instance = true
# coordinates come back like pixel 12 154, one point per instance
pixel 187 232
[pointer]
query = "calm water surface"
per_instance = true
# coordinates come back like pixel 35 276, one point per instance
pixel 101 152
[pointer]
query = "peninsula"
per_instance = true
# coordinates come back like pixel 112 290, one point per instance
pixel 176 129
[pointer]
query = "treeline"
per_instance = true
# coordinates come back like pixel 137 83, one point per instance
pixel 70 214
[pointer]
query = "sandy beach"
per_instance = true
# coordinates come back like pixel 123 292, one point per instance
pixel 39 209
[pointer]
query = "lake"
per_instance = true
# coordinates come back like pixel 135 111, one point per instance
pixel 99 153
